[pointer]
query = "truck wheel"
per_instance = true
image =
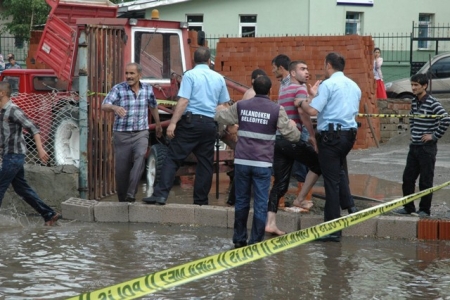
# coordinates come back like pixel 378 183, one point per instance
pixel 66 141
pixel 155 163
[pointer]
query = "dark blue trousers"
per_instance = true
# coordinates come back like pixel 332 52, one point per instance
pixel 197 137
pixel 333 150
pixel 12 172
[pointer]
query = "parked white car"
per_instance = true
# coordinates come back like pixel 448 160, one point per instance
pixel 439 73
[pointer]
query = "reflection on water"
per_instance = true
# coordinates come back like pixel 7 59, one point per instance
pixel 54 263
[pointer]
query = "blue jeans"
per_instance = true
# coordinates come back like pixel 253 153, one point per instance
pixel 245 177
pixel 12 172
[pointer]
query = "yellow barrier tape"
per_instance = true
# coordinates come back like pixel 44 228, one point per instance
pixel 233 258
pixel 402 116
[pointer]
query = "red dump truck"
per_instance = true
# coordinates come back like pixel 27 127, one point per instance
pixel 163 48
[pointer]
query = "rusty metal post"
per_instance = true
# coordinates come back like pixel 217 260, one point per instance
pixel 83 121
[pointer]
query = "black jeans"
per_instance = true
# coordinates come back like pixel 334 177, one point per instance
pixel 197 137
pixel 285 154
pixel 420 161
pixel 333 150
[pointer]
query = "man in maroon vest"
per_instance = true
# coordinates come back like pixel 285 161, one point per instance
pixel 258 119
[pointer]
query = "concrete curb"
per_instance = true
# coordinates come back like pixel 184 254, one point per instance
pixel 219 216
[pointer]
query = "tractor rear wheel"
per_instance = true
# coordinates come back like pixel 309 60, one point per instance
pixel 66 140
pixel 155 163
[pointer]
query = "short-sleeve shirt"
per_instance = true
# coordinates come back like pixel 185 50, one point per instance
pixel 337 101
pixel 286 97
pixel 136 106
pixel 205 89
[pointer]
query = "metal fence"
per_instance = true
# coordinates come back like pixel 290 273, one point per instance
pixel 10 44
pixel 396 47
pixel 56 115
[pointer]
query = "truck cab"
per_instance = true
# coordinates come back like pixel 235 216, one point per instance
pixel 32 81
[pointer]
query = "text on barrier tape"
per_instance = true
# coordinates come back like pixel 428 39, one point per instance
pixel 233 258
pixel 403 116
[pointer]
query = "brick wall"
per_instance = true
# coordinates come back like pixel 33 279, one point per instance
pixel 236 58
pixel 391 127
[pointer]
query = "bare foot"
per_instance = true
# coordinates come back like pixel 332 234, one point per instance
pixel 274 231
pixel 304 205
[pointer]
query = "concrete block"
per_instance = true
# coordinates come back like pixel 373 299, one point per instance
pixel 111 212
pixel 288 221
pixel 178 213
pixel 231 218
pixel 397 227
pixel 366 228
pixel 145 213
pixel 310 220
pixel 210 215
pixel 78 209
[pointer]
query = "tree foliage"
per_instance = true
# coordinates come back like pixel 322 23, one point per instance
pixel 22 15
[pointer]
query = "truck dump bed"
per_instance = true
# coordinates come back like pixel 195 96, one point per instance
pixel 58 45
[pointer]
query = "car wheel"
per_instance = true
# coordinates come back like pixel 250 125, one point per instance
pixel 155 163
pixel 406 96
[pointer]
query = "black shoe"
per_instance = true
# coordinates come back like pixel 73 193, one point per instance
pixel 403 211
pixel 421 214
pixel 230 202
pixel 155 200
pixel 130 199
pixel 352 210
pixel 330 238
pixel 240 245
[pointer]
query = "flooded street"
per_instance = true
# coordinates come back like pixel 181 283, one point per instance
pixel 37 262
pixel 56 263
pixel 59 262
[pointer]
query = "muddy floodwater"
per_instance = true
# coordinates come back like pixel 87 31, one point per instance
pixel 37 262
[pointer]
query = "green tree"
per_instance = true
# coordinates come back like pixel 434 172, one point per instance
pixel 23 15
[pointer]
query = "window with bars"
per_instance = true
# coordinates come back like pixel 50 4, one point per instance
pixel 425 30
pixel 353 23
pixel 247 25
pixel 195 22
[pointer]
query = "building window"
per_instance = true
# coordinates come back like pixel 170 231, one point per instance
pixel 195 22
pixel 247 25
pixel 353 23
pixel 425 24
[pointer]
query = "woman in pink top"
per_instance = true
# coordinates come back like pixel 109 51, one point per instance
pixel 377 62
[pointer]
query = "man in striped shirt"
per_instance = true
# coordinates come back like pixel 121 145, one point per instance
pixel 287 152
pixel 425 132
pixel 12 154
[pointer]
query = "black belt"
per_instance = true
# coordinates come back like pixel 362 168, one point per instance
pixel 346 132
pixel 199 117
